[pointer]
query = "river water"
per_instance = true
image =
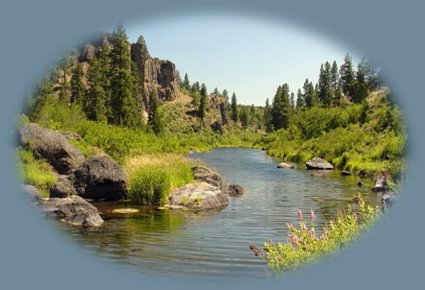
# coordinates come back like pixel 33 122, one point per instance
pixel 216 244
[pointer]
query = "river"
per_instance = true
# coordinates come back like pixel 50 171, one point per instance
pixel 216 244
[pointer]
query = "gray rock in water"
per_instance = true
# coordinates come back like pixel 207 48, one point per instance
pixel 52 146
pixel 380 185
pixel 202 173
pixel 33 193
pixel 345 173
pixel 285 165
pixel 198 196
pixel 318 163
pixel 73 210
pixel 62 188
pixel 100 177
pixel 235 190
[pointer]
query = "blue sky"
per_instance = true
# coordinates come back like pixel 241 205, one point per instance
pixel 248 56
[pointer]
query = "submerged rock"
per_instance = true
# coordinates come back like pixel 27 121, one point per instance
pixel 235 190
pixel 317 174
pixel 285 165
pixel 52 146
pixel 198 196
pixel 100 177
pixel 73 210
pixel 388 199
pixel 345 173
pixel 318 163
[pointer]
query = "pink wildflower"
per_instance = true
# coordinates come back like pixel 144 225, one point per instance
pixel 312 216
pixel 300 215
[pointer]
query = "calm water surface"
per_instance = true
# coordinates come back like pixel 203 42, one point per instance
pixel 215 244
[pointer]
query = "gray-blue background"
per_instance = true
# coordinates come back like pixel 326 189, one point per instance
pixel 32 255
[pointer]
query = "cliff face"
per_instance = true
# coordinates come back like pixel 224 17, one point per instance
pixel 156 74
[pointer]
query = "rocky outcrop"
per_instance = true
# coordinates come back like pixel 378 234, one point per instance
pixel 235 190
pixel 73 210
pixel 198 196
pixel 100 178
pixel 52 146
pixel 62 188
pixel 285 165
pixel 155 74
pixel 223 113
pixel 202 173
pixel 318 163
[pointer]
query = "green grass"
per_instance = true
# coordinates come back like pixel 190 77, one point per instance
pixel 152 177
pixel 35 172
pixel 304 245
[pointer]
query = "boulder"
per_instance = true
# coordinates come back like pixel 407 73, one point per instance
pixel 235 190
pixel 33 194
pixel 202 173
pixel 100 177
pixel 52 146
pixel 62 188
pixel 318 163
pixel 285 165
pixel 198 196
pixel 73 210
pixel 345 173
pixel 380 184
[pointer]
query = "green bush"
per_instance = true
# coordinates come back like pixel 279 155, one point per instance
pixel 304 245
pixel 35 172
pixel 149 186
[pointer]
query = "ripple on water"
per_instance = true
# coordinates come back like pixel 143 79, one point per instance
pixel 216 244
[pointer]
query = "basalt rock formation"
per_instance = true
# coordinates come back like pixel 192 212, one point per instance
pixel 155 74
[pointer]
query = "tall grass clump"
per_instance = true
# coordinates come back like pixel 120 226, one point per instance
pixel 35 172
pixel 149 186
pixel 304 245
pixel 153 176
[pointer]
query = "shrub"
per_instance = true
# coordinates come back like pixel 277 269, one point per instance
pixel 304 245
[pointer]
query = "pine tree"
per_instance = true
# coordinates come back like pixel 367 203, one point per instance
pixel 203 102
pixel 268 117
pixel 300 99
pixel 196 87
pixel 94 104
pixel 310 96
pixel 361 88
pixel 281 107
pixel 124 104
pixel 325 85
pixel 347 76
pixel 234 114
pixel 292 101
pixel 105 67
pixel 216 92
pixel 336 89
pixel 186 82
pixel 154 116
pixel 78 88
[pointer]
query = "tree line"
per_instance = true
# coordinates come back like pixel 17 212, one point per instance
pixel 336 86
